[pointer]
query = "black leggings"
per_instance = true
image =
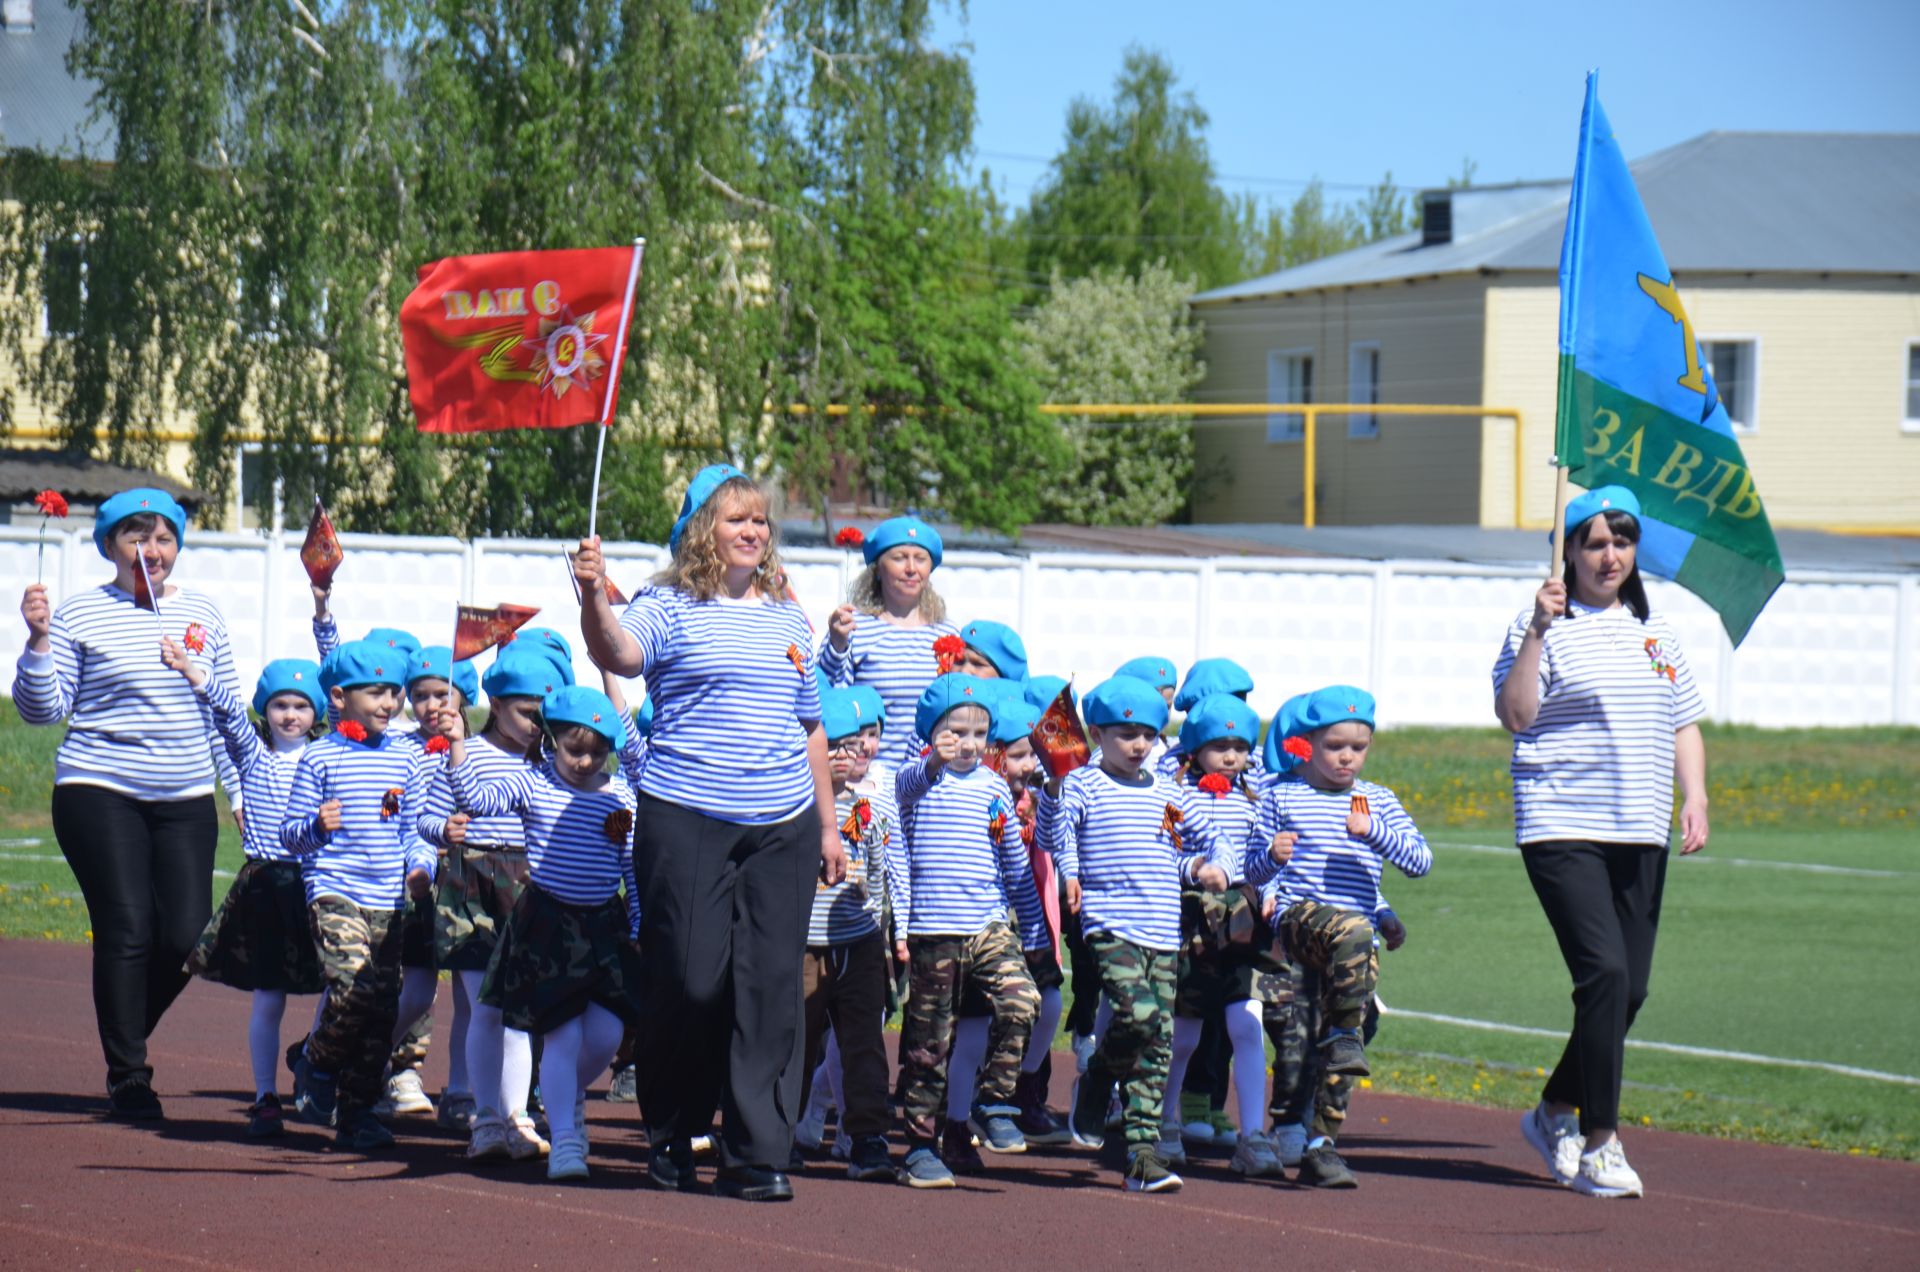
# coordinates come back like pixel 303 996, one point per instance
pixel 146 870
pixel 1603 901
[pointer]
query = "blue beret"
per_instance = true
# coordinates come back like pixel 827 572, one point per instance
pixel 1015 718
pixel 895 531
pixel 1598 500
pixel 1217 716
pixel 393 638
pixel 522 673
pixel 872 707
pixel 1000 645
pixel 436 662
pixel 544 640
pixel 1125 700
pixel 1210 676
pixel 288 675
pixel 699 490
pixel 840 714
pixel 1286 724
pixel 643 717
pixel 131 503
pixel 588 708
pixel 362 662
pixel 1336 704
pixel 950 691
pixel 1042 690
pixel 1158 672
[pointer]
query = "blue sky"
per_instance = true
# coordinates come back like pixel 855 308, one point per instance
pixel 1346 92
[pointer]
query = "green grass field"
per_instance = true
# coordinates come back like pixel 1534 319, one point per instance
pixel 1785 940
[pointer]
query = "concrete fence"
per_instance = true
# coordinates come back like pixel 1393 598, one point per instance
pixel 1831 649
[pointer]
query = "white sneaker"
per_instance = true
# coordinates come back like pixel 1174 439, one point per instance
pixel 1197 1133
pixel 523 1140
pixel 1289 1143
pixel 408 1097
pixel 811 1132
pixel 1604 1172
pixel 1254 1156
pixel 1083 1045
pixel 569 1157
pixel 1557 1140
pixel 1171 1149
pixel 487 1138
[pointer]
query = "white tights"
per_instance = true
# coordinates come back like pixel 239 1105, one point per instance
pixel 829 1080
pixel 572 1056
pixel 1249 1063
pixel 1044 1027
pixel 417 988
pixel 263 1039
pixel 963 1064
pixel 498 1060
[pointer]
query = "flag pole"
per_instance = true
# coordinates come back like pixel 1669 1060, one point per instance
pixel 606 414
pixel 1559 522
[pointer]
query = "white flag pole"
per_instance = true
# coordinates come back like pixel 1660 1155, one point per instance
pixel 606 415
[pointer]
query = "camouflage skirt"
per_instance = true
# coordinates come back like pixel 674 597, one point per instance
pixel 1227 953
pixel 261 937
pixel 553 958
pixel 473 896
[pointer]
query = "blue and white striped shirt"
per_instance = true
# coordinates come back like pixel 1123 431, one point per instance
pixel 133 725
pixel 1329 865
pixel 1598 762
pixel 731 682
pixel 1234 818
pixel 368 859
pixel 953 875
pixel 266 775
pixel 488 763
pixel 579 843
pixel 326 639
pixel 898 663
pixel 850 910
pixel 1113 837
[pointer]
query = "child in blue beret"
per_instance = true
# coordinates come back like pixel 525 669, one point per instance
pixel 1327 837
pixel 1205 679
pixel 1127 839
pixel 1162 673
pixel 566 963
pixel 993 650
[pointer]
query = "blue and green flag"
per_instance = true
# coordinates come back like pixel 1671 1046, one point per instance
pixel 1637 403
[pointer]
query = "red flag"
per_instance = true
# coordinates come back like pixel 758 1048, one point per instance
pixel 321 553
pixel 1059 737
pixel 518 339
pixel 478 629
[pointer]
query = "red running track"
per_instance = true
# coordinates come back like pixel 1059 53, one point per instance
pixel 1441 1186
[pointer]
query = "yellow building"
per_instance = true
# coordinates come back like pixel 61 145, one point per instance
pixel 1798 258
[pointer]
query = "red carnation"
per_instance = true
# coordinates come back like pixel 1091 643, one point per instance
pixel 51 502
pixel 438 745
pixel 195 638
pixel 947 651
pixel 619 825
pixel 1218 785
pixel 390 803
pixel 352 731
pixel 849 537
pixel 864 811
pixel 1299 748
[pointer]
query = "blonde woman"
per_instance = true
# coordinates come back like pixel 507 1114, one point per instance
pixel 736 822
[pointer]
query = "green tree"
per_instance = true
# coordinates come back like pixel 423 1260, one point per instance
pixel 1109 337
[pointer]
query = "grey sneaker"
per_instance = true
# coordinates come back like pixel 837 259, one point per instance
pixel 455 1112
pixel 1323 1168
pixel 993 1123
pixel 362 1132
pixel 1255 1157
pixel 924 1169
pixel 1172 1148
pixel 1557 1140
pixel 625 1087
pixel 1345 1054
pixel 1289 1143
pixel 1146 1172
pixel 1604 1173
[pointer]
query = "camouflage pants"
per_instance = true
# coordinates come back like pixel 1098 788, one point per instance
pixel 360 957
pixel 1332 961
pixel 1138 1047
pixel 940 967
pixel 412 1050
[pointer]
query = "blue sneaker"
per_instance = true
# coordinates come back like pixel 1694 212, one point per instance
pixel 993 1123
pixel 318 1099
pixel 924 1169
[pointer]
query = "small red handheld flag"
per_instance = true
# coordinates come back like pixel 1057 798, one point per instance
pixel 478 629
pixel 1059 737
pixel 321 553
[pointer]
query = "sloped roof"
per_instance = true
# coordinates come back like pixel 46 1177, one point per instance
pixel 25 473
pixel 1724 202
pixel 42 106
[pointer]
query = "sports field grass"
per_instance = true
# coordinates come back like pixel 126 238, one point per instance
pixel 1786 940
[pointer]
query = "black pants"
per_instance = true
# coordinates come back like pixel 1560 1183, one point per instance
pixel 1603 901
pixel 847 986
pixel 146 870
pixel 1085 974
pixel 724 911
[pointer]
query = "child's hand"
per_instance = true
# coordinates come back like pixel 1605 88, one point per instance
pixel 1211 877
pixel 419 885
pixel 946 749
pixel 1073 895
pixel 1359 820
pixel 176 660
pixel 38 611
pixel 1281 850
pixel 240 821
pixel 1549 603
pixel 328 818
pixel 456 831
pixel 1392 931
pixel 321 596
pixel 589 567
pixel 900 954
pixel 840 627
pixel 1269 908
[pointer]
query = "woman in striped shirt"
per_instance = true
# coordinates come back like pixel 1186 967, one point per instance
pixel 1605 716
pixel 735 824
pixel 133 781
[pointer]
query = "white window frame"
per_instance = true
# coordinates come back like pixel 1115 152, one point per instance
pixel 1908 423
pixel 1751 425
pixel 1363 426
pixel 1288 427
pixel 277 522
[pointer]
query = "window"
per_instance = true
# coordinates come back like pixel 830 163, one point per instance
pixel 1912 419
pixel 1363 385
pixel 1734 362
pixel 1289 379
pixel 250 464
pixel 63 285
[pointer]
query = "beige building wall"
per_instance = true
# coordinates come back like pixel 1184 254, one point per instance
pixel 1829 446
pixel 1417 470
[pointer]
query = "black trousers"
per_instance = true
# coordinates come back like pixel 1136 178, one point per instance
pixel 146 870
pixel 723 926
pixel 847 986
pixel 1603 901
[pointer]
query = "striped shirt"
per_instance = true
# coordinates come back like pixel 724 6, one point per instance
pixel 579 843
pixel 897 662
pixel 1597 763
pixel 266 775
pixel 1234 819
pixel 488 762
pixel 955 875
pixel 731 682
pixel 850 910
pixel 368 859
pixel 133 725
pixel 1330 865
pixel 1130 854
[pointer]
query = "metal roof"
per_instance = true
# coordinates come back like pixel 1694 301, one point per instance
pixel 1724 202
pixel 24 473
pixel 42 106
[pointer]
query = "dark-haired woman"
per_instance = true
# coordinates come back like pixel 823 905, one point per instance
pixel 133 780
pixel 1604 715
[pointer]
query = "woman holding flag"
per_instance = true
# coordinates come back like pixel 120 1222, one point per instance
pixel 736 822
pixel 133 783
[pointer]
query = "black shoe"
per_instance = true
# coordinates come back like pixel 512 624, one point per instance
pixel 294 1053
pixel 871 1160
pixel 1343 1054
pixel 670 1167
pixel 752 1183
pixel 265 1118
pixel 1323 1168
pixel 133 1100
pixel 958 1152
pixel 361 1132
pixel 796 1161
